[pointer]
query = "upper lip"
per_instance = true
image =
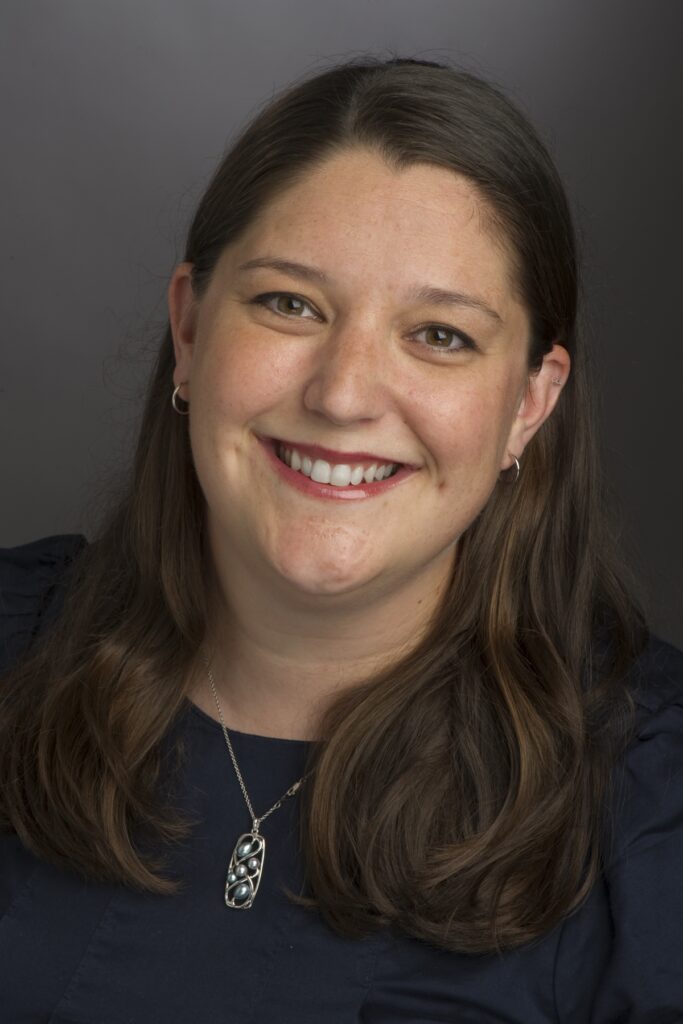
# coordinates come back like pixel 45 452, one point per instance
pixel 317 451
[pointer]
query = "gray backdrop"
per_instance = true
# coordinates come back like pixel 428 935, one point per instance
pixel 115 112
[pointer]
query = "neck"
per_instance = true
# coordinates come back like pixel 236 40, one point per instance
pixel 279 656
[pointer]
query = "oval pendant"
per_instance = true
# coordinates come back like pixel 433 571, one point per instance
pixel 244 870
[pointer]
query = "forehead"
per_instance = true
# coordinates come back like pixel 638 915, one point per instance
pixel 354 215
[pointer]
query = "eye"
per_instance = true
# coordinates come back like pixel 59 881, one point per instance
pixel 286 304
pixel 444 339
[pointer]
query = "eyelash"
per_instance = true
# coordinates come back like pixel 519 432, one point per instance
pixel 467 342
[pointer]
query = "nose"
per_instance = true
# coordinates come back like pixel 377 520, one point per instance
pixel 348 379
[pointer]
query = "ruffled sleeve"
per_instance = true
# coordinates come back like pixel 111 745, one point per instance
pixel 641 978
pixel 30 578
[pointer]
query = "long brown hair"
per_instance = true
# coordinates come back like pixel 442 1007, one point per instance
pixel 459 795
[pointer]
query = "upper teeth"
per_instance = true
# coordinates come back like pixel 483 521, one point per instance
pixel 338 475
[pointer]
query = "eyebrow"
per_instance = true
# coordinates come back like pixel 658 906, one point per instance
pixel 424 293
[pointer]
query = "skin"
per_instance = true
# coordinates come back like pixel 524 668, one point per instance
pixel 308 595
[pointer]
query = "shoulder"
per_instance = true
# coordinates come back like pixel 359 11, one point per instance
pixel 31 576
pixel 628 937
pixel 656 678
pixel 649 781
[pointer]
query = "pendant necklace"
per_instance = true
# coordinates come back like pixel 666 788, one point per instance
pixel 248 856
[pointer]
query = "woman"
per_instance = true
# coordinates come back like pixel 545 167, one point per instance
pixel 347 714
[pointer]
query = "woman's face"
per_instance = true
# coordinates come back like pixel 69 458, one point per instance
pixel 368 317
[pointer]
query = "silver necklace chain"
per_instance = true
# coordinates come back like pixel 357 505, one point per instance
pixel 290 793
pixel 246 863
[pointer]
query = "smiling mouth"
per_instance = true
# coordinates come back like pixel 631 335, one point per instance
pixel 335 474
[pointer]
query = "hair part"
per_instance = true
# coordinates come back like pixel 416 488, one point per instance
pixel 446 787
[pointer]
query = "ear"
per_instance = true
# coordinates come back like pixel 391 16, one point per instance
pixel 540 397
pixel 182 312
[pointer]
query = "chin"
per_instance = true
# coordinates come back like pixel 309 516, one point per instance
pixel 324 576
pixel 322 558
pixel 321 582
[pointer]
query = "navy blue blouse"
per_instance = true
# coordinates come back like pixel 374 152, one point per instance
pixel 74 950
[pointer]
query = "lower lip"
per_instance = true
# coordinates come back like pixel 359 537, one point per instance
pixel 316 490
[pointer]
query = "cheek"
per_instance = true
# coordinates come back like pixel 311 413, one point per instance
pixel 239 376
pixel 466 436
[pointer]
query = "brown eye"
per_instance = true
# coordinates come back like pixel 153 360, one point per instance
pixel 444 339
pixel 287 304
pixel 439 337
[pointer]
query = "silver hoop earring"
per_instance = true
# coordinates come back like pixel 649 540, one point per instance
pixel 174 396
pixel 517 467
